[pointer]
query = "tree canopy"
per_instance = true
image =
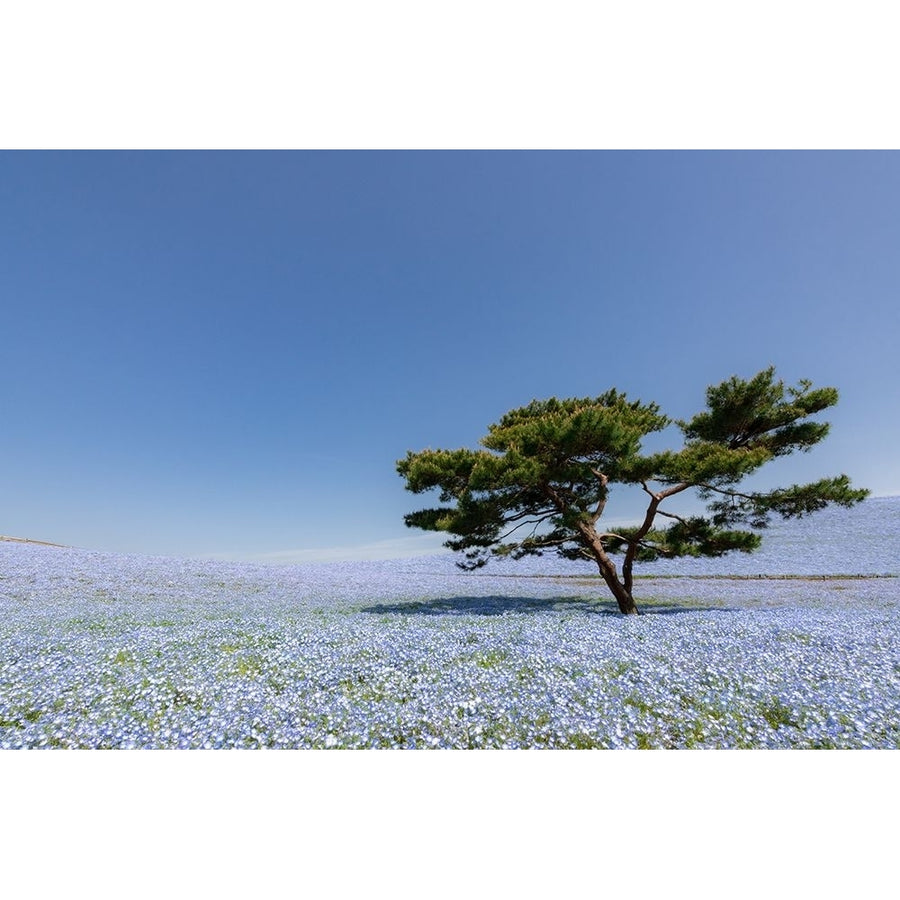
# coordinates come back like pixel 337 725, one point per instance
pixel 541 480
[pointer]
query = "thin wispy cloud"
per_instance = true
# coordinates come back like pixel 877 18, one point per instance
pixel 396 548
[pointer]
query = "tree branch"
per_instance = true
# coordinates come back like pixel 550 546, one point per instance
pixel 551 542
pixel 601 503
pixel 631 552
pixel 662 512
pixel 561 504
pixel 728 493
pixel 639 543
pixel 534 522
pixel 675 489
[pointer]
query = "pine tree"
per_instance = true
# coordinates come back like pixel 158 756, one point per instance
pixel 542 479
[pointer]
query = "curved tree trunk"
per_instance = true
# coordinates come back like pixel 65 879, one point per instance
pixel 623 597
pixel 607 568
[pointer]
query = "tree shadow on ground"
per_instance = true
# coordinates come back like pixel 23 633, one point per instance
pixel 498 605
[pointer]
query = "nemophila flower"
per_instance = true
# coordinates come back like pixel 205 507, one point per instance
pixel 98 650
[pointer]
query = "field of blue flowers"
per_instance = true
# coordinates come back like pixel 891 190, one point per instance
pixel 102 650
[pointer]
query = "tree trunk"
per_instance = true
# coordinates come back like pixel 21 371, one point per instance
pixel 627 606
pixel 607 568
pixel 623 597
pixel 619 589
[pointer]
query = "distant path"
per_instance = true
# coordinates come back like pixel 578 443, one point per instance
pixel 4 537
pixel 839 577
pixel 650 577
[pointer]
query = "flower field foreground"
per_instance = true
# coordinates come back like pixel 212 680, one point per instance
pixel 102 650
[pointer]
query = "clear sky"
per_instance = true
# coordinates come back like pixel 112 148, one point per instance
pixel 224 353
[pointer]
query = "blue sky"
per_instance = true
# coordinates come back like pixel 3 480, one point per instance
pixel 224 353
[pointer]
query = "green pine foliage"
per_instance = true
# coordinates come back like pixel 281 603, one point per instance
pixel 542 478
